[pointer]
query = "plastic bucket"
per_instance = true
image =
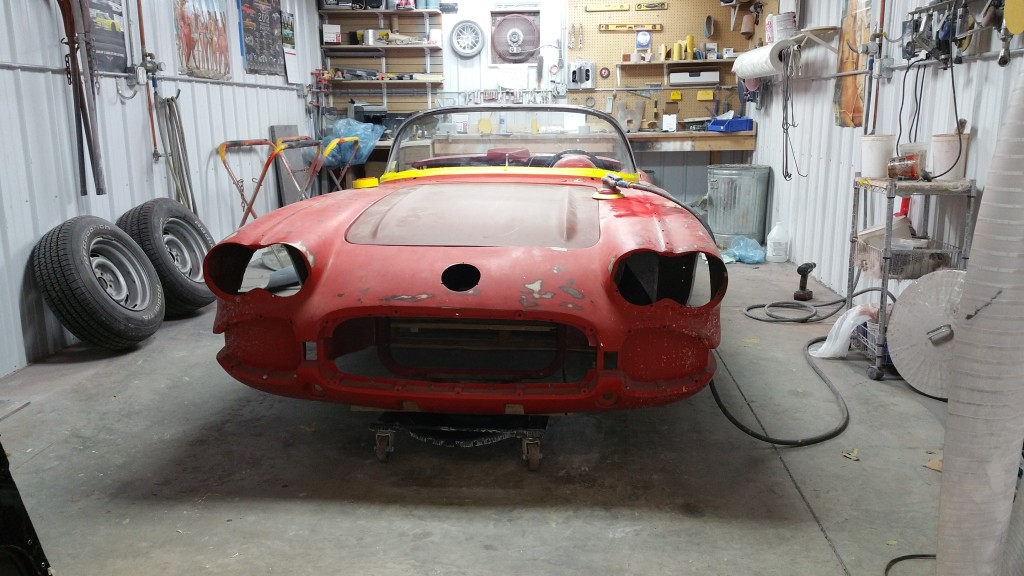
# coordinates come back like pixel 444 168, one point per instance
pixel 875 151
pixel 945 148
pixel 737 201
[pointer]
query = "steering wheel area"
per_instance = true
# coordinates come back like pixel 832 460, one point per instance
pixel 556 157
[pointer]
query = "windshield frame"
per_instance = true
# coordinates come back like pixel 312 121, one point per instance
pixel 629 166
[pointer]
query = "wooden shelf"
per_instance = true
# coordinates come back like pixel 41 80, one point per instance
pixel 377 48
pixel 387 82
pixel 425 12
pixel 679 63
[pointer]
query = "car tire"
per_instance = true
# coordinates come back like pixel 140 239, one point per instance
pixel 175 241
pixel 99 283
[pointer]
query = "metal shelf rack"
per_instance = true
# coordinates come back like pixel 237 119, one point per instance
pixel 889 263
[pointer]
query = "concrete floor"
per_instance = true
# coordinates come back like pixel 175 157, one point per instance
pixel 156 462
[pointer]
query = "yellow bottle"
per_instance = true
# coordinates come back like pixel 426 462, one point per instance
pixel 484 126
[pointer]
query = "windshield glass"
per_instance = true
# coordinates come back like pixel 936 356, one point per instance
pixel 538 137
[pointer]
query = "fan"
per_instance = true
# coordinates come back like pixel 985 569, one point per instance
pixel 515 38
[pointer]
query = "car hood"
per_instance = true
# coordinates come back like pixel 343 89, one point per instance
pixel 481 214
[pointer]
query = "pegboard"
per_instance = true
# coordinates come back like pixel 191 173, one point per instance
pixel 683 17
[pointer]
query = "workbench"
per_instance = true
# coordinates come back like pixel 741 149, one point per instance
pixel 688 141
pixel 684 177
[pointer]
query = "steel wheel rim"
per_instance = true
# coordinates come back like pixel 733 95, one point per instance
pixel 467 38
pixel 185 247
pixel 120 274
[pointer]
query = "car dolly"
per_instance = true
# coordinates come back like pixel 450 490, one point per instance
pixel 460 431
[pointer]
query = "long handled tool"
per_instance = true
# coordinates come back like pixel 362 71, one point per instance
pixel 78 32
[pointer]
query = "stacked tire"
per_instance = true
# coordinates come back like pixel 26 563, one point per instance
pixel 112 285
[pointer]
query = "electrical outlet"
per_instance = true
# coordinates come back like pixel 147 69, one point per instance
pixel 909 31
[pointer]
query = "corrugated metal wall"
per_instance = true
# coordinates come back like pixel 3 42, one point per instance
pixel 39 186
pixel 816 209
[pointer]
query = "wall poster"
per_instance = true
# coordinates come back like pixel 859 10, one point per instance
pixel 260 27
pixel 202 32
pixel 108 35
pixel 848 102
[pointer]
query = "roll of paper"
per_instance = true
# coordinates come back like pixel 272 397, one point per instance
pixel 760 62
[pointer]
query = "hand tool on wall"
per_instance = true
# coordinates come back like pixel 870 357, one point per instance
pixel 77 29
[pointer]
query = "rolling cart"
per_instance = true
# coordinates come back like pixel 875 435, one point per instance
pixel 887 262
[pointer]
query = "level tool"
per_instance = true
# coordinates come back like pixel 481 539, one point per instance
pixel 608 7
pixel 1013 13
pixel 652 6
pixel 628 27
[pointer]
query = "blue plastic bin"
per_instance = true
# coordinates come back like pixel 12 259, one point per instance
pixel 731 125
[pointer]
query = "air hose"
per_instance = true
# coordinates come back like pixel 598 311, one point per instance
pixel 812 316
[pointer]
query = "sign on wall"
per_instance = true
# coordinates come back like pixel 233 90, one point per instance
pixel 202 35
pixel 260 28
pixel 848 101
pixel 107 18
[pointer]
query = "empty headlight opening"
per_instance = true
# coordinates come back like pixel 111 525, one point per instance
pixel 693 279
pixel 236 269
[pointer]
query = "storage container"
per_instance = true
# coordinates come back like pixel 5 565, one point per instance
pixel 737 201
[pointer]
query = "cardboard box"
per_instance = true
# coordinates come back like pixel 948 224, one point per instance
pixel 332 33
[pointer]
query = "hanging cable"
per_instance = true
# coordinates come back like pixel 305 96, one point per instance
pixel 959 128
pixel 903 99
pixel 792 59
pixel 919 80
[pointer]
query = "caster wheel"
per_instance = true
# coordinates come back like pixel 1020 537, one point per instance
pixel 875 373
pixel 532 456
pixel 383 447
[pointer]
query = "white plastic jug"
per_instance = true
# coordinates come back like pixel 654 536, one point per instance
pixel 777 249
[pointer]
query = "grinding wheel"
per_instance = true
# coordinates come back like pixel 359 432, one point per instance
pixel 920 331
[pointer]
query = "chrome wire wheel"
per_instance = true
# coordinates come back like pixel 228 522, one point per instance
pixel 467 38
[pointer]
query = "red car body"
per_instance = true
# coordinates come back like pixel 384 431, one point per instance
pixel 476 289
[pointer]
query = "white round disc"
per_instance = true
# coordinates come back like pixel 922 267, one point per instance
pixel 920 331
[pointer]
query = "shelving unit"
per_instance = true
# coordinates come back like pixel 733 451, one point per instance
pixel 669 67
pixel 901 264
pixel 418 57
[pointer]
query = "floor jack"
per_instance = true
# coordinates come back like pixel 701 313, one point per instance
pixel 461 431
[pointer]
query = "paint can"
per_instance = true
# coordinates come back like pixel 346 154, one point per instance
pixel 945 148
pixel 875 151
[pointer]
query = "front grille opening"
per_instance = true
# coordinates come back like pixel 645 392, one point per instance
pixel 458 350
pixel 693 279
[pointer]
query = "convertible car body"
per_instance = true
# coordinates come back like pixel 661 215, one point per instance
pixel 509 261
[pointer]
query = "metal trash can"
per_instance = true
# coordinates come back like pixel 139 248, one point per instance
pixel 737 201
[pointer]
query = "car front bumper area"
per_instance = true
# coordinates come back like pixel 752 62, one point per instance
pixel 474 366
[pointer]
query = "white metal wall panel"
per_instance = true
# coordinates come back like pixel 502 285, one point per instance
pixel 816 209
pixel 39 184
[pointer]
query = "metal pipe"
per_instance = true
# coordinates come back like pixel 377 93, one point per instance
pixel 832 76
pixel 968 58
pixel 31 68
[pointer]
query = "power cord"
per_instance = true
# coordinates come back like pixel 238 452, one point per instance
pixel 959 128
pixel 812 315
pixel 899 559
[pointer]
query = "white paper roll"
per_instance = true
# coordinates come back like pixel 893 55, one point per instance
pixel 760 62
